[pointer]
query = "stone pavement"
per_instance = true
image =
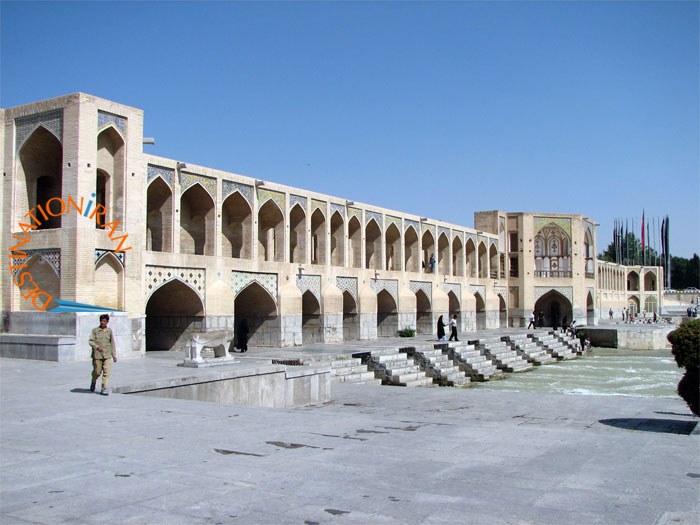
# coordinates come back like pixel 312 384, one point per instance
pixel 375 454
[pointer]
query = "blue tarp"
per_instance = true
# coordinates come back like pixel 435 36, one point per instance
pixel 70 306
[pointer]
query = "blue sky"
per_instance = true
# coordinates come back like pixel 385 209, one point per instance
pixel 437 109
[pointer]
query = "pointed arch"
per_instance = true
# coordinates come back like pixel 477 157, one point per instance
pixel 197 223
pixel 387 315
pixel 270 232
pixel 443 258
pixel 297 234
pixel 590 309
pixel 457 257
pixel 589 252
pixel 111 165
pixel 337 239
pixel 236 227
pixel 412 258
pixel 455 308
pixel 311 322
pixel 109 282
pixel 318 237
pixel 44 275
pixel 483 261
pixel 472 266
pixel 632 281
pixel 392 243
pixel 373 246
pixel 40 176
pixel 480 311
pixel 493 261
pixel 555 308
pixel 255 304
pixel 355 242
pixel 502 312
pixel 650 283
pixel 174 311
pixel 159 216
pixel 351 323
pixel 633 305
pixel 552 252
pixel 428 244
pixel 424 313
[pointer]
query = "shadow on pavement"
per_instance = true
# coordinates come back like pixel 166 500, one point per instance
pixel 82 391
pixel 668 426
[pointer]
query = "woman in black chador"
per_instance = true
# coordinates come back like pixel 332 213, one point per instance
pixel 243 335
pixel 441 329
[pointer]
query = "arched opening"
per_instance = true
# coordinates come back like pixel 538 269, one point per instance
pixel 555 308
pixel 455 307
pixel 197 223
pixel 493 262
pixel 40 176
pixel 351 324
pixel 633 306
pixel 424 314
pixel 311 327
pixel 590 310
pixel 159 217
pixel 387 315
pixel 173 312
pixel 457 257
pixel 410 252
pixel 428 243
pixel 632 282
pixel 355 243
pixel 297 235
pixel 443 254
pixel 552 252
pixel 393 248
pixel 480 312
pixel 102 194
pixel 502 312
pixel 236 227
pixel 651 305
pixel 483 262
pixel 471 259
pixel 44 276
pixel 650 282
pixel 373 246
pixel 318 237
pixel 589 253
pixel 270 233
pixel 109 276
pixel 337 240
pixel 257 307
pixel 111 164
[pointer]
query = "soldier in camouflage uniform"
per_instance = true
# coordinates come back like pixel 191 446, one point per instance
pixel 103 349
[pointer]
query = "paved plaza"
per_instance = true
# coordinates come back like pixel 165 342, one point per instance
pixel 375 454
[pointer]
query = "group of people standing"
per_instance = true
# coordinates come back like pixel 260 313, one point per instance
pixel 441 329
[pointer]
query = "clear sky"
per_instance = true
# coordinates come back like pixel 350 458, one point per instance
pixel 437 109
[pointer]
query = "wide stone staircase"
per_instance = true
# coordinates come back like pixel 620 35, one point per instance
pixel 396 368
pixel 530 349
pixel 347 369
pixel 471 361
pixel 437 365
pixel 553 345
pixel 572 342
pixel 503 355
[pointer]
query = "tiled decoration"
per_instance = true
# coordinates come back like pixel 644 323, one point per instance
pixel 276 196
pixel 444 231
pixel 297 199
pixel 415 224
pixel 246 191
pixel 454 288
pixel 311 283
pixel 347 284
pixel 157 276
pixel 25 126
pixel 119 255
pixel 396 221
pixel 502 290
pixel 355 212
pixel 239 280
pixel 338 208
pixel 566 291
pixel 470 236
pixel 159 171
pixel 369 215
pixel 428 228
pixel 51 255
pixel 315 203
pixel 390 285
pixel 189 179
pixel 105 118
pixel 480 288
pixel 563 223
pixel 426 287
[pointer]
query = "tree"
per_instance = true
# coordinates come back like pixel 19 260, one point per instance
pixel 685 341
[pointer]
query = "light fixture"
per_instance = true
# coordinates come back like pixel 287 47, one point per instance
pixel 423 219
pixel 349 203
pixel 149 140
pixel 259 183
pixel 181 165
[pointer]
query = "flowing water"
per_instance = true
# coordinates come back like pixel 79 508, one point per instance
pixel 602 372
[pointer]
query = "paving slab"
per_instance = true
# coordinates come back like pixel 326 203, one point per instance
pixel 374 454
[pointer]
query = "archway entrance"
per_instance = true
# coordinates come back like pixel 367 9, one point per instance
pixel 311 329
pixel 480 312
pixel 556 309
pixel 590 310
pixel 502 312
pixel 455 308
pixel 351 324
pixel 173 312
pixel 387 315
pixel 258 308
pixel 424 314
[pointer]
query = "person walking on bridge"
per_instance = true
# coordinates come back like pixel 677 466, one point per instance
pixel 103 349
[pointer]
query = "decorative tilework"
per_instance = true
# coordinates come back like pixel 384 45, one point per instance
pixel 566 291
pixel 119 255
pixel 315 203
pixel 390 285
pixel 347 284
pixel 454 288
pixel 105 118
pixel 310 283
pixel 369 215
pixel 189 179
pixel 426 287
pixel 297 199
pixel 396 221
pixel 478 288
pixel 445 231
pixel 355 212
pixel 239 280
pixel 25 126
pixel 563 223
pixel 470 236
pixel 265 195
pixel 338 208
pixel 157 276
pixel 51 255
pixel 503 290
pixel 592 292
pixel 228 187
pixel 165 173
pixel 428 228
pixel 415 224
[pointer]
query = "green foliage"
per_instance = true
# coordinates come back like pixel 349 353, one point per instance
pixel 407 332
pixel 686 350
pixel 685 273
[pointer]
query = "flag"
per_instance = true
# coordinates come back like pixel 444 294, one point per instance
pixel 643 232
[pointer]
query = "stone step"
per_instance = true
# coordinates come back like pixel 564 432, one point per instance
pixel 339 363
pixel 347 370
pixel 365 377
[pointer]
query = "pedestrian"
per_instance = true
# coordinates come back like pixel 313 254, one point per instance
pixel 243 335
pixel 532 320
pixel 573 328
pixel 432 263
pixel 103 349
pixel 655 318
pixel 610 314
pixel 441 329
pixel 541 319
pixel 453 328
pixel 624 311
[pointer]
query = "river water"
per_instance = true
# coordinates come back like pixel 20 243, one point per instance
pixel 602 372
